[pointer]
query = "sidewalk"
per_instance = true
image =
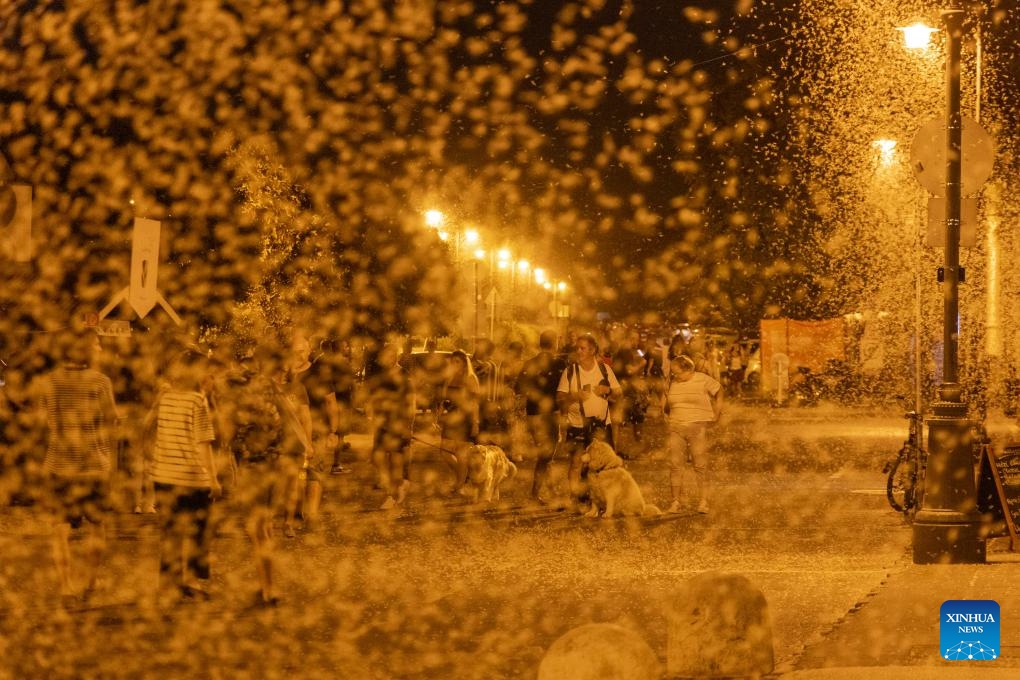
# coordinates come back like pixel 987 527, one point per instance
pixel 895 633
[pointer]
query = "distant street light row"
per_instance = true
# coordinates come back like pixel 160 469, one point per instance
pixel 502 258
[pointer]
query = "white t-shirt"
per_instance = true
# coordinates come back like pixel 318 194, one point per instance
pixel 585 381
pixel 690 401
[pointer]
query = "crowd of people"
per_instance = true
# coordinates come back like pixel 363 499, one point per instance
pixel 263 428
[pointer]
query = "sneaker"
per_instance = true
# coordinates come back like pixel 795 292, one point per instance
pixel 261 601
pixel 151 510
pixel 194 592
pixel 388 504
pixel 703 507
pixel 138 510
pixel 402 491
pixel 288 530
pixel 339 470
pixel 675 508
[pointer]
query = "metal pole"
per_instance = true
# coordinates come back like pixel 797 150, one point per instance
pixel 954 128
pixel 476 303
pixel 918 404
pixel 947 528
pixel 493 281
pixel 979 55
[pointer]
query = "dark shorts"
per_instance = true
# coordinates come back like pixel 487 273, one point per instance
pixel 78 500
pixel 263 484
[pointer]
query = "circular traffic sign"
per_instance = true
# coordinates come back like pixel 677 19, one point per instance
pixel 928 156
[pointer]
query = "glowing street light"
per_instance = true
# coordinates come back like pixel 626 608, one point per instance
pixel 886 150
pixel 435 218
pixel 917 36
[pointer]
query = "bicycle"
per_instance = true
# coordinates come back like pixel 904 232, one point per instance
pixel 905 474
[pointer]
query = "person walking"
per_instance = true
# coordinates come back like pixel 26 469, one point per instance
pixel 393 408
pixel 270 445
pixel 537 384
pixel 339 404
pixel 81 422
pixel 692 401
pixel 458 414
pixel 735 369
pixel 629 365
pixel 586 390
pixel 305 493
pixel 183 473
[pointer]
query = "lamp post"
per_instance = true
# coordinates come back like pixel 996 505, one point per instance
pixel 947 527
pixel 479 254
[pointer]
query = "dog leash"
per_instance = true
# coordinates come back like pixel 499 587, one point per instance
pixel 435 446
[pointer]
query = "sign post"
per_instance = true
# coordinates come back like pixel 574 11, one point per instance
pixel 141 292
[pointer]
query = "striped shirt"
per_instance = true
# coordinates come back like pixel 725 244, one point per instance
pixel 182 424
pixel 80 416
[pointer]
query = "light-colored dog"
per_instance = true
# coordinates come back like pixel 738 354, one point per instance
pixel 613 489
pixel 488 467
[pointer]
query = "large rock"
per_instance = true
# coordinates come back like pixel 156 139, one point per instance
pixel 600 651
pixel 718 627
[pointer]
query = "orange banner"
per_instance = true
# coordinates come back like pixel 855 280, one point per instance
pixel 787 344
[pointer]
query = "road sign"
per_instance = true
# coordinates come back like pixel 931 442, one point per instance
pixel 928 156
pixel 936 236
pixel 142 292
pixel 16 222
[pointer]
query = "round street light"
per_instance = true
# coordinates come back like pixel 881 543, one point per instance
pixel 886 150
pixel 917 36
pixel 434 218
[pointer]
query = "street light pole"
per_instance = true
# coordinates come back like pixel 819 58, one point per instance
pixel 475 342
pixel 947 528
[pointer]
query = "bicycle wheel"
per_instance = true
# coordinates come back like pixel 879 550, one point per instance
pixel 901 483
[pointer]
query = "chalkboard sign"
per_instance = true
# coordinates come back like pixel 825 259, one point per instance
pixel 999 492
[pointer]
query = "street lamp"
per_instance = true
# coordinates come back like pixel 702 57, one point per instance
pixel 434 218
pixel 886 149
pixel 947 527
pixel 917 36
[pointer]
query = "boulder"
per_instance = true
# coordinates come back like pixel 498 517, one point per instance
pixel 718 626
pixel 600 651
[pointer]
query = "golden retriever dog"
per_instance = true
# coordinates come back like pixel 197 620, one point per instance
pixel 613 489
pixel 488 467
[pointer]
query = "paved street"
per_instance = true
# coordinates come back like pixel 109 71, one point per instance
pixel 445 590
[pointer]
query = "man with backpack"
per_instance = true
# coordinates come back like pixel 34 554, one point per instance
pixel 586 390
